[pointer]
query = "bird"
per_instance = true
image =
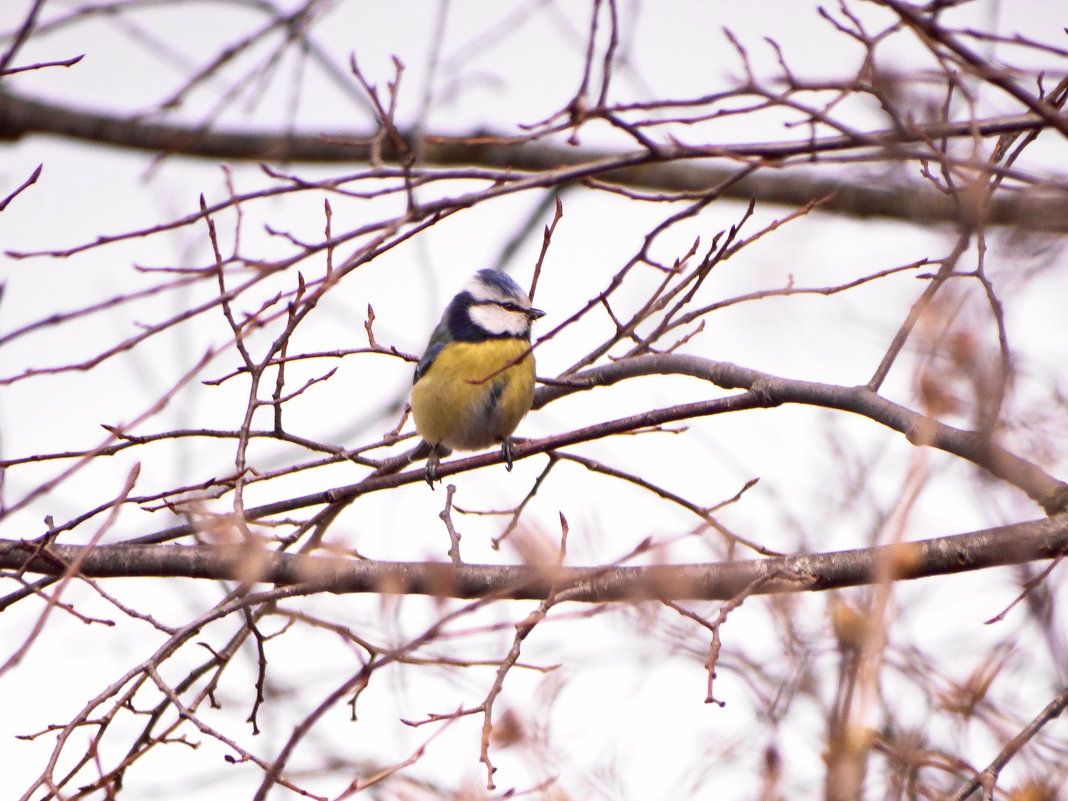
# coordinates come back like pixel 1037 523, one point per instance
pixel 475 381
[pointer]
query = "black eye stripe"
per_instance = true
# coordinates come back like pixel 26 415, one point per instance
pixel 507 305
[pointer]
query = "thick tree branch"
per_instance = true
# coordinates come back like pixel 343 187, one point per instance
pixel 670 168
pixel 1006 545
pixel 1047 491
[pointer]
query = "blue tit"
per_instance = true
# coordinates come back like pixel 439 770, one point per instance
pixel 474 383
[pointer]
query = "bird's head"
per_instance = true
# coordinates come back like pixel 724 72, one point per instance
pixel 494 305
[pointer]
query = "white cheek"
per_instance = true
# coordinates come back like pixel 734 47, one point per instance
pixel 496 320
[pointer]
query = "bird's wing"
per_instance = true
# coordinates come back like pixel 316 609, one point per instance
pixel 438 340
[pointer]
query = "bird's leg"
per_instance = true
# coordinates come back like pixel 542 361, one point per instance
pixel 432 462
pixel 506 452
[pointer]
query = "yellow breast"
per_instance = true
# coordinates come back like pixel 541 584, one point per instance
pixel 456 403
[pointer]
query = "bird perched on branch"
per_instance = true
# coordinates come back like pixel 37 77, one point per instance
pixel 475 381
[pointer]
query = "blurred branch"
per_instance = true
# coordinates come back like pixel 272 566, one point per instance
pixel 978 65
pixel 1005 545
pixel 659 169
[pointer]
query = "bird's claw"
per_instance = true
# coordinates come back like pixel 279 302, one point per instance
pixel 431 471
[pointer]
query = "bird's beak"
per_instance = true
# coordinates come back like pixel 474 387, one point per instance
pixel 534 314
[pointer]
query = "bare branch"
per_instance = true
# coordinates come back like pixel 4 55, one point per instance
pixel 1005 545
